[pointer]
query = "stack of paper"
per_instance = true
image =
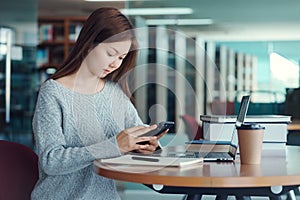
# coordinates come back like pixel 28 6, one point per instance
pixel 222 127
pixel 152 161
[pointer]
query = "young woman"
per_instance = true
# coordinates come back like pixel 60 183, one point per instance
pixel 83 112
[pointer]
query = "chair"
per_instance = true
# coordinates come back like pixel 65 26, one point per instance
pixel 222 107
pixel 193 128
pixel 18 171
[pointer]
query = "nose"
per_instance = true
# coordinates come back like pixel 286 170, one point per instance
pixel 114 64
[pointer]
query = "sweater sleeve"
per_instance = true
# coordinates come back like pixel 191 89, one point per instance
pixel 132 117
pixel 55 156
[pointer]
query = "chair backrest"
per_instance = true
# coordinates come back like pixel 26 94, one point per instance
pixel 222 107
pixel 193 128
pixel 292 106
pixel 18 170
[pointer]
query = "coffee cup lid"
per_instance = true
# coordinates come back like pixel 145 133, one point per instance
pixel 247 126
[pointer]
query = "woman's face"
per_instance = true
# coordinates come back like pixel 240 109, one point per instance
pixel 106 57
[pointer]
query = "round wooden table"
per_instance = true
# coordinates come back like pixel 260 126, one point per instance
pixel 278 173
pixel 294 126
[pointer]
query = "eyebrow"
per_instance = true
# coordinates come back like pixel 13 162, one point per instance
pixel 124 54
pixel 115 50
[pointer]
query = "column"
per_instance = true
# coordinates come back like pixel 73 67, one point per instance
pixel 180 81
pixel 254 74
pixel 231 76
pixel 248 72
pixel 210 74
pixel 162 47
pixel 240 72
pixel 199 76
pixel 223 73
pixel 141 70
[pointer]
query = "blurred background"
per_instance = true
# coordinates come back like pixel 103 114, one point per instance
pixel 222 49
pixel 200 56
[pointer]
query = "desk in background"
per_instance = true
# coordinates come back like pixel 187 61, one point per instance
pixel 278 174
pixel 295 125
pixel 293 137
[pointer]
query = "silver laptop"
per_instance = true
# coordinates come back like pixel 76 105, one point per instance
pixel 218 150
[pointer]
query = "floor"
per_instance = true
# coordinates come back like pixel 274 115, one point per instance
pixel 150 195
pixel 134 191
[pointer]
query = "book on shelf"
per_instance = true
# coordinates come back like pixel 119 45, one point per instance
pixel 42 56
pixel 46 32
pixel 74 32
pixel 152 160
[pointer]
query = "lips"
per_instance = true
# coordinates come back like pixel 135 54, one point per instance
pixel 106 71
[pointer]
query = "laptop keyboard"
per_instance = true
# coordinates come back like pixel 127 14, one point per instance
pixel 199 155
pixel 191 154
pixel 214 155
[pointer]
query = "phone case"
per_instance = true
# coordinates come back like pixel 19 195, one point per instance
pixel 162 126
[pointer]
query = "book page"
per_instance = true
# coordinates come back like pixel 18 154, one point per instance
pixel 152 161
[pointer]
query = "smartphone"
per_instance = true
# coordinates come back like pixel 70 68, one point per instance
pixel 162 126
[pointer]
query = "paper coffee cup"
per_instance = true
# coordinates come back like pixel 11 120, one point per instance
pixel 250 137
pixel 250 170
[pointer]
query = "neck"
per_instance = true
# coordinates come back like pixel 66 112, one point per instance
pixel 87 84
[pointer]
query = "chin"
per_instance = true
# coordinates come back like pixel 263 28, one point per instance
pixel 103 75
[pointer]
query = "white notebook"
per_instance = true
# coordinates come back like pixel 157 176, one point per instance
pixel 152 161
pixel 249 118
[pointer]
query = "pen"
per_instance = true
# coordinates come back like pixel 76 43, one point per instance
pixel 145 159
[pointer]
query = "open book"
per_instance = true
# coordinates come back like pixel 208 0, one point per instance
pixel 152 161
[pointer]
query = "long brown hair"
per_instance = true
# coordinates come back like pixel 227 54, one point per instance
pixel 103 25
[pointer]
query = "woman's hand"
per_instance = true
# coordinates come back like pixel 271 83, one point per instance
pixel 128 139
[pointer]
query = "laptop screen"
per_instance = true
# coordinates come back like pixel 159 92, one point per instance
pixel 239 121
pixel 242 110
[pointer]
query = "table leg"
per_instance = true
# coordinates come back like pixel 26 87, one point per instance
pixel 221 197
pixel 297 191
pixel 275 198
pixel 239 197
pixel 194 197
pixel 291 195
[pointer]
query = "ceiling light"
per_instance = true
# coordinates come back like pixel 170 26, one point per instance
pixel 157 11
pixel 179 21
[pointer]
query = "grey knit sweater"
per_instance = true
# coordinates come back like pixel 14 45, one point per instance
pixel 71 130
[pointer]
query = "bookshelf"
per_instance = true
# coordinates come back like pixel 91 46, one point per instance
pixel 57 35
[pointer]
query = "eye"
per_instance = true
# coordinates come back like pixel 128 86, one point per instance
pixel 110 53
pixel 122 57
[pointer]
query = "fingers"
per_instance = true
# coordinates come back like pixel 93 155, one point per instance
pixel 150 147
pixel 162 134
pixel 129 138
pixel 146 148
pixel 145 139
pixel 133 129
pixel 140 130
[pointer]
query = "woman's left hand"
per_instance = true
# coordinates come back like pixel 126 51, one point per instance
pixel 130 139
pixel 148 148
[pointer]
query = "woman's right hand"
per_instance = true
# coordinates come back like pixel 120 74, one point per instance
pixel 128 139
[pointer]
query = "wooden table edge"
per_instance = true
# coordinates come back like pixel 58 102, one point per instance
pixel 108 171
